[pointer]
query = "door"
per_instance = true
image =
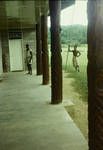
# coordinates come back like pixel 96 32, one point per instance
pixel 16 60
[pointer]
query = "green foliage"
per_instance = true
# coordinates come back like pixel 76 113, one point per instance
pixel 73 34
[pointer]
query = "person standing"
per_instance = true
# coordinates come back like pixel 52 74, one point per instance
pixel 29 56
pixel 76 54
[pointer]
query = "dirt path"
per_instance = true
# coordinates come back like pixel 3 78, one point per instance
pixel 78 109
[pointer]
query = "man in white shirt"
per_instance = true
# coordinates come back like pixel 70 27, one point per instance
pixel 29 59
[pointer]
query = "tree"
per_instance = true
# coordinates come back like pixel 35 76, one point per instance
pixel 73 34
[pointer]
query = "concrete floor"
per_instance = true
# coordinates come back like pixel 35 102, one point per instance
pixel 29 122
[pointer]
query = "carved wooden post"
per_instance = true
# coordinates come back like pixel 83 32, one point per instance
pixel 45 58
pixel 56 60
pixel 38 49
pixel 5 51
pixel 95 74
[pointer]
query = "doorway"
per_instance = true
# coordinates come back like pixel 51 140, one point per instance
pixel 16 55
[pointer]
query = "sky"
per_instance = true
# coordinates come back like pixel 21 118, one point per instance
pixel 75 14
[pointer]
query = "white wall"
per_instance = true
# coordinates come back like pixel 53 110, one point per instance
pixel 1 68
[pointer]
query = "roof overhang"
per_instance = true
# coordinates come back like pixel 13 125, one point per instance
pixel 67 3
pixel 24 14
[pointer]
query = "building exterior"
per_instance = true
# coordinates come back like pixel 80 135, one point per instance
pixel 24 22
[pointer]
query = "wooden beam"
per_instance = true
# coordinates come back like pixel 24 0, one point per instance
pixel 5 51
pixel 56 59
pixel 45 58
pixel 95 74
pixel 38 49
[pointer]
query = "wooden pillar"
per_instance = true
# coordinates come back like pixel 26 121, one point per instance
pixel 95 74
pixel 38 49
pixel 5 51
pixel 56 60
pixel 45 58
pixel 1 65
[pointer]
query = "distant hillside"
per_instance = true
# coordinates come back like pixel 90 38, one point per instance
pixel 73 34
